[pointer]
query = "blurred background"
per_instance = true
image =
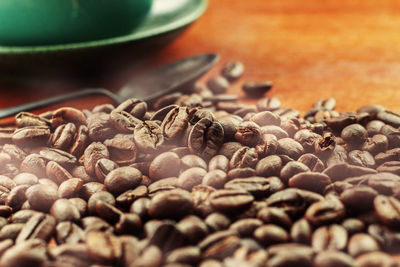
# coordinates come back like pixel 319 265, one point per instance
pixel 309 50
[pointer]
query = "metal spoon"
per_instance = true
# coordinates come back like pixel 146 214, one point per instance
pixel 169 78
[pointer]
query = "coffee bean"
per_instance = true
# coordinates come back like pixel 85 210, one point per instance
pixel 257 186
pixel 312 181
pixel 193 228
pixel 269 166
pixel 217 222
pixel 375 258
pixel 333 259
pixel 122 179
pixel 39 226
pixel 362 243
pixel 92 154
pixel 230 200
pixel 248 133
pixel 31 136
pixel 270 234
pixel 68 232
pixel 256 89
pixel 233 70
pixel 301 231
pixel 103 247
pixel 275 216
pixel 216 178
pixel 218 85
pixel 387 209
pixel 354 134
pixel 191 177
pixel 28 253
pixel 359 198
pixel 63 210
pixel 268 104
pixel 244 157
pixel 325 211
pixel 165 165
pixel 189 161
pixel 41 197
pixel 171 204
pixel 333 237
pixel 292 168
pixel 122 149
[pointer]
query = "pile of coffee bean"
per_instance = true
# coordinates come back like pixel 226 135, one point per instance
pixel 201 179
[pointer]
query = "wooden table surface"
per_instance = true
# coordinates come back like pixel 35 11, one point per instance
pixel 309 50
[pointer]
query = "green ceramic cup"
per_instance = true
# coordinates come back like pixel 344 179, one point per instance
pixel 41 22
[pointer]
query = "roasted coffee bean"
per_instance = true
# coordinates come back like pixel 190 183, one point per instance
pixel 354 135
pixel 205 138
pixel 41 197
pixel 333 237
pixel 69 188
pixel 103 247
pixel 268 104
pixel 148 136
pixel 328 104
pixel 388 210
pixel 248 133
pixel 101 195
pixel 333 259
pixel 270 234
pixel 275 216
pixel 216 178
pixel 201 199
pixel 230 200
pixel 39 226
pixel 268 146
pixel 31 136
pixel 220 245
pixel 63 210
pixel 193 228
pixel 244 157
pixel 362 243
pixel 312 181
pixel 292 168
pixel 122 149
pixel 92 154
pixel 246 227
pixel 34 164
pixel 359 198
pixel 68 232
pixel 312 162
pixel 127 198
pixel 256 89
pixel 67 114
pixel 219 162
pixel 135 107
pixel 307 139
pixel 63 136
pixel 123 121
pixel 325 211
pixel 25 178
pixel 24 119
pixel 28 253
pixel 171 204
pixel 257 186
pixel 301 231
pixel 165 165
pixel 175 123
pixel 191 177
pixel 122 179
pixel 269 166
pixel 241 173
pixel 376 144
pixel 108 212
pixel 16 197
pixel 229 148
pixel 233 70
pixel 189 161
pixel 186 255
pixel 167 238
pixel 217 222
pixel 218 85
pixel 90 188
pixel 375 259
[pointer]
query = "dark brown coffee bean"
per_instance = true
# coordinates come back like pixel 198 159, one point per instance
pixel 167 238
pixel 24 119
pixel 375 259
pixel 241 173
pixel 229 148
pixel 35 164
pixel 354 134
pixel 337 123
pixel 90 188
pixel 122 179
pixel 68 232
pixel 332 237
pixel 257 186
pixel 67 114
pixel 175 123
pixel 312 181
pixel 128 197
pixel 28 253
pixel 312 162
pixel 275 216
pixel 361 243
pixel 69 188
pixel 269 166
pixel 101 195
pixel 269 104
pixel 246 227
pixel 233 70
pixel 135 107
pixel 218 85
pixel 92 154
pixel 128 224
pixel 103 247
pixel 325 211
pixel 148 136
pixel 376 144
pixel 244 157
pixel 201 199
pixel 16 197
pixel 388 210
pixel 248 133
pixel 328 104
pixel 63 136
pixel 103 167
pixel 268 146
pixel 122 149
pixel 165 165
pixel 41 197
pixel 150 256
pixel 219 162
pixel 191 160
pixel 256 89
pixel 39 226
pixel 389 117
pixel 108 212
pixel 100 126
pixel 171 204
pixel 216 178
pixel 217 222
pixel 359 198
pixel 31 136
pixel 292 168
pixel 226 200
pixel 205 138
pixel 191 177
pixel 63 210
pixel 186 255
pixel 222 248
pixel 193 228
pixel 307 139
pixel 301 231
pixel 270 234
pixel 230 124
pixel 333 259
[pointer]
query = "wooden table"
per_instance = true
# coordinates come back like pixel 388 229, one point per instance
pixel 309 50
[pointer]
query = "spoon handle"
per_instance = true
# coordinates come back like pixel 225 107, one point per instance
pixel 6 112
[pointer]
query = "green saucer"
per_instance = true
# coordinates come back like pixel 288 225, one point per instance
pixel 166 20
